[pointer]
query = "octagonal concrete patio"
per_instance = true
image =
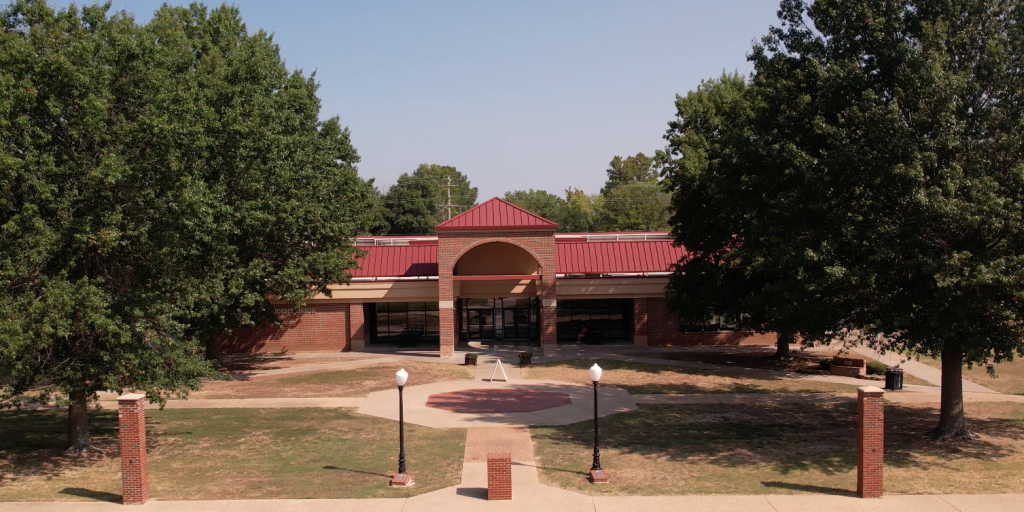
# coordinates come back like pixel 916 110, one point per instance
pixel 543 396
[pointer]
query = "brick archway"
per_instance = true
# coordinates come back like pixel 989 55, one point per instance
pixel 453 245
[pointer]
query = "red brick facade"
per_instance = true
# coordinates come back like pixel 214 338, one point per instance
pixel 499 476
pixel 453 245
pixel 663 330
pixel 312 328
pixel 131 421
pixel 870 441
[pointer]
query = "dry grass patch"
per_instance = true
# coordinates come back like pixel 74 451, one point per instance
pixel 1009 375
pixel 641 378
pixel 780 449
pixel 258 362
pixel 229 454
pixel 347 382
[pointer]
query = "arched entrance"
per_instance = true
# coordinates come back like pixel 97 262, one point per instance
pixel 496 287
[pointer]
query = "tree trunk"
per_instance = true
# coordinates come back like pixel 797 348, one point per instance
pixel 782 342
pixel 952 422
pixel 78 422
pixel 213 348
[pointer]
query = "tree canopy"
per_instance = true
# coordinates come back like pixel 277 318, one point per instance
pixel 161 183
pixel 880 172
pixel 414 205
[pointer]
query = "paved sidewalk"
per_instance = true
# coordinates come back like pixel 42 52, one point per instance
pixel 919 370
pixel 810 398
pixel 557 500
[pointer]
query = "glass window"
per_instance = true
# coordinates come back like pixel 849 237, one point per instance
pixel 593 320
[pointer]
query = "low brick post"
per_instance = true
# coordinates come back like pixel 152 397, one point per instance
pixel 131 420
pixel 870 441
pixel 499 476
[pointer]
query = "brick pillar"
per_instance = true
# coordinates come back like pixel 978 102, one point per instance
pixel 356 327
pixel 640 322
pixel 548 315
pixel 499 476
pixel 870 434
pixel 131 420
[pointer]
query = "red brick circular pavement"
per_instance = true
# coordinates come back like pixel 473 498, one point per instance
pixel 478 401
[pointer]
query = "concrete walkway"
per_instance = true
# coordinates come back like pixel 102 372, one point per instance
pixel 540 499
pixel 917 369
pixel 811 398
pixel 383 404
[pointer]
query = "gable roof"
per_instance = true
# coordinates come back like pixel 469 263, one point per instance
pixel 495 213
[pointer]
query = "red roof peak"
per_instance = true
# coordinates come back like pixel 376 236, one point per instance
pixel 495 213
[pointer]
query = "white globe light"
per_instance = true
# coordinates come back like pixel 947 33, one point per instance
pixel 401 376
pixel 595 373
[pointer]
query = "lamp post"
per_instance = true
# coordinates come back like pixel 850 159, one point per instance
pixel 597 475
pixel 401 479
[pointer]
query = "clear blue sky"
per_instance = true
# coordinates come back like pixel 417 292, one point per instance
pixel 517 94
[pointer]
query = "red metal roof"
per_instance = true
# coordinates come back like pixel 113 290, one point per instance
pixel 617 257
pixel 613 257
pixel 495 213
pixel 398 261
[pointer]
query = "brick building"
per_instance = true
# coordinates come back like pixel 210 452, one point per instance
pixel 495 274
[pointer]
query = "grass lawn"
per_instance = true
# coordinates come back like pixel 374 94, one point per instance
pixel 1009 375
pixel 347 382
pixel 228 454
pixel 778 449
pixel 656 379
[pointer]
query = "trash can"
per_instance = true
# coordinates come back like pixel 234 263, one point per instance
pixel 894 378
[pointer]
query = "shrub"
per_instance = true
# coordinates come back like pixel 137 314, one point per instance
pixel 825 364
pixel 876 368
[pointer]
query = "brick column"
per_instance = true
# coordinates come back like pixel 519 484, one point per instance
pixel 548 315
pixel 499 476
pixel 356 327
pixel 640 322
pixel 870 441
pixel 131 420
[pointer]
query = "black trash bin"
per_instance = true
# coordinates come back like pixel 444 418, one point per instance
pixel 894 378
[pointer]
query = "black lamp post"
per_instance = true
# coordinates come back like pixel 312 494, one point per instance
pixel 401 479
pixel 597 475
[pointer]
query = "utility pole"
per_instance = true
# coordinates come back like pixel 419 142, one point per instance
pixel 448 204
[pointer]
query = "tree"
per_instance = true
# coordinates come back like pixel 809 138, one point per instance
pixel 890 139
pixel 414 205
pixel 539 202
pixel 161 183
pixel 633 197
pixel 632 169
pixel 581 213
pixel 736 265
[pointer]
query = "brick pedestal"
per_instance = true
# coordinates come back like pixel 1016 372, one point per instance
pixel 499 476
pixel 870 441
pixel 131 419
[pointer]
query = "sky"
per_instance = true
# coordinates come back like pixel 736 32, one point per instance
pixel 516 95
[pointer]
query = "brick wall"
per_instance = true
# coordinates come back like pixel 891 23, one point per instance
pixel 451 247
pixel 312 328
pixel 870 441
pixel 499 476
pixel 131 422
pixel 663 330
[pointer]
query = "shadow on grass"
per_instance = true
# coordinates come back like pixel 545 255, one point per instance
pixel 758 375
pixel 817 489
pixel 32 442
pixel 336 468
pixel 786 437
pixel 95 495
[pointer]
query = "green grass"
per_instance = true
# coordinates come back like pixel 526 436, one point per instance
pixel 229 454
pixel 358 381
pixel 771 449
pixel 1009 375
pixel 644 378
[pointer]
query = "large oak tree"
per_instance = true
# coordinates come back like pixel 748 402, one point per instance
pixel 882 169
pixel 160 183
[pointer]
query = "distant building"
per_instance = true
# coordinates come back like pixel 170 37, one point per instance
pixel 495 274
